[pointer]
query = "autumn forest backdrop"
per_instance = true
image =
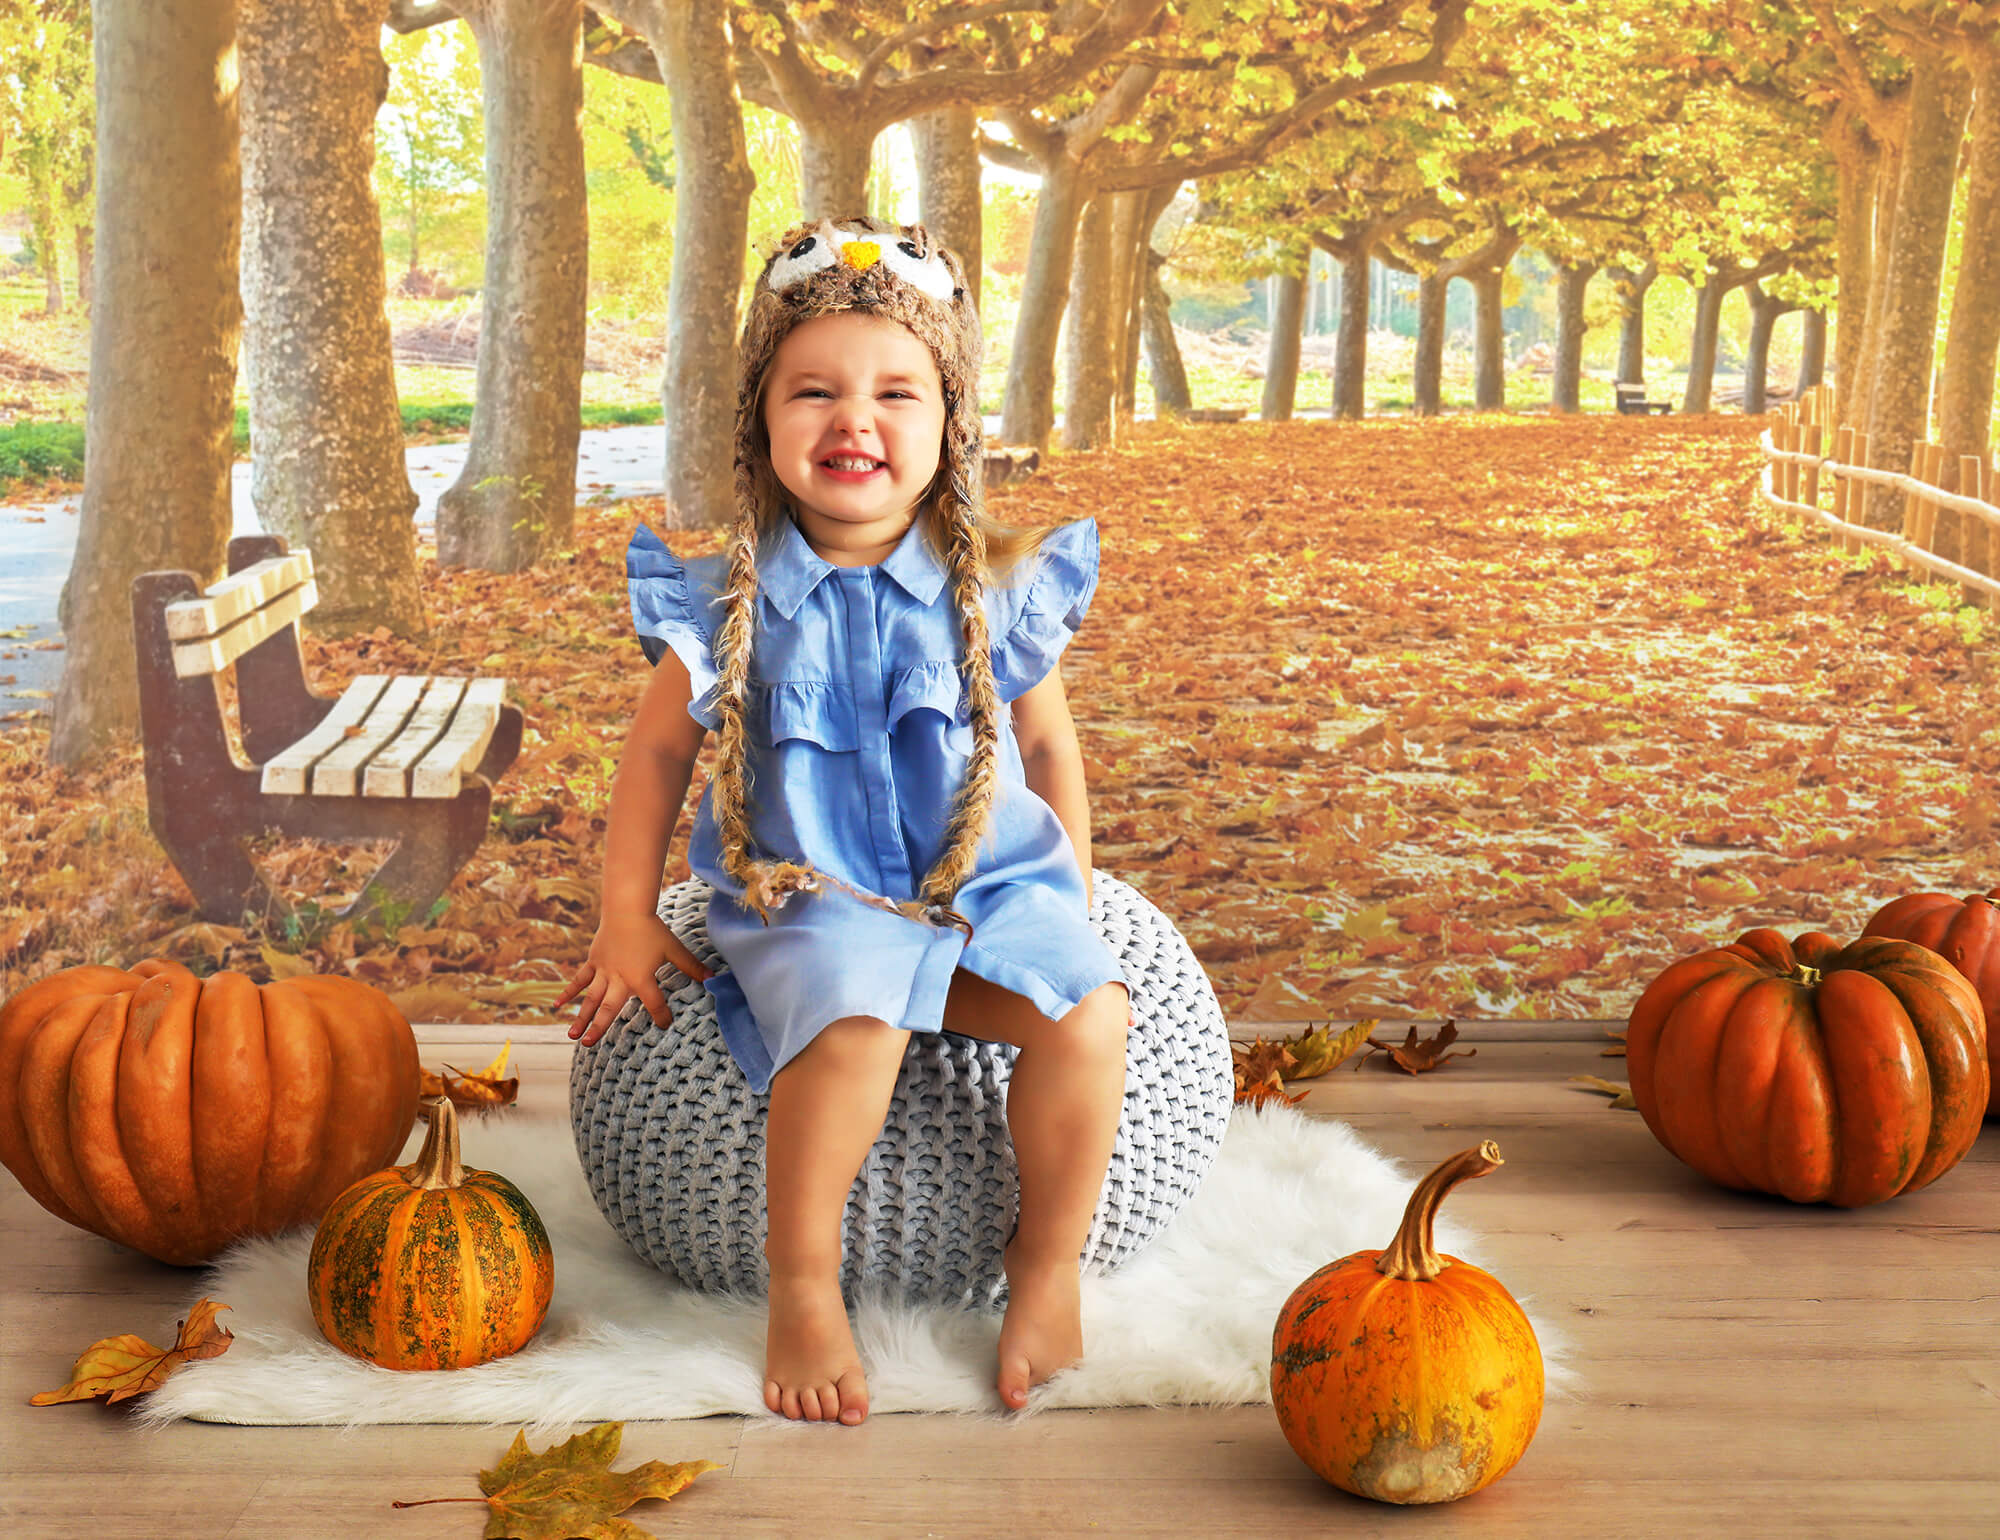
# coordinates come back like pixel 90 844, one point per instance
pixel 1432 685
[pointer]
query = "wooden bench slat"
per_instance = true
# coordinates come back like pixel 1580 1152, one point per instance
pixel 441 772
pixel 388 773
pixel 339 773
pixel 211 655
pixel 285 772
pixel 235 596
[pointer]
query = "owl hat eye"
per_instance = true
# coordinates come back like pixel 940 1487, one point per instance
pixel 825 244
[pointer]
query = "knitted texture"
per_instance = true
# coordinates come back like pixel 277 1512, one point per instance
pixel 672 1141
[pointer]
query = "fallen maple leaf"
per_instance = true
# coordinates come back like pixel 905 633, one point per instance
pixel 1318 1050
pixel 119 1367
pixel 1621 1095
pixel 569 1491
pixel 1416 1055
pixel 490 1087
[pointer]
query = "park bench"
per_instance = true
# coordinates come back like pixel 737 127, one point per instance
pixel 1632 400
pixel 405 757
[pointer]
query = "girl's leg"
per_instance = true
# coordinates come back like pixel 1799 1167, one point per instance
pixel 1063 1100
pixel 827 1107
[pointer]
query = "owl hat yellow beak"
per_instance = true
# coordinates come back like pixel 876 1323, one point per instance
pixel 861 255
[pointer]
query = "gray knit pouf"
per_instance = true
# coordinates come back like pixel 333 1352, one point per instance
pixel 672 1140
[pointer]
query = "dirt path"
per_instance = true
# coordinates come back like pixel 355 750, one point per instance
pixel 1480 716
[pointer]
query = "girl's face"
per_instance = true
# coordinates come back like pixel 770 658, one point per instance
pixel 855 413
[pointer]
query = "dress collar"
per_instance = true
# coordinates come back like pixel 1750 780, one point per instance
pixel 794 569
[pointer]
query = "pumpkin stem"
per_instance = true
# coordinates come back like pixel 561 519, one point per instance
pixel 1806 976
pixel 1412 1256
pixel 437 1164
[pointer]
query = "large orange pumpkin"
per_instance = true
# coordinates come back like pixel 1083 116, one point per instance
pixel 177 1114
pixel 1965 933
pixel 1821 1073
pixel 1407 1376
pixel 433 1265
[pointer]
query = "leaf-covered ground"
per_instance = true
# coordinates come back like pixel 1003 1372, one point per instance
pixel 1477 716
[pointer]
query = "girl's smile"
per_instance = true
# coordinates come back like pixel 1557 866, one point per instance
pixel 854 410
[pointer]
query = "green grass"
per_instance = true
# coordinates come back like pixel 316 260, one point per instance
pixel 36 451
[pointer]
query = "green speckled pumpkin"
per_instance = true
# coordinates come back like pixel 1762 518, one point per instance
pixel 431 1265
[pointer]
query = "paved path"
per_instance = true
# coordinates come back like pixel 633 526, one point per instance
pixel 37 542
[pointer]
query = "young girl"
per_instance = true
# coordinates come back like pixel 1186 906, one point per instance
pixel 893 849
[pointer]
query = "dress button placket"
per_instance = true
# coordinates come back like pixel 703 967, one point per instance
pixel 877 774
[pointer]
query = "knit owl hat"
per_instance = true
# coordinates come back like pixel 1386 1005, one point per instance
pixel 899 273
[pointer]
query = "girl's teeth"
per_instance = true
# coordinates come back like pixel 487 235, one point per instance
pixel 852 465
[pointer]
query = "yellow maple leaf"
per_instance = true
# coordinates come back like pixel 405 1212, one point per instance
pixel 119 1367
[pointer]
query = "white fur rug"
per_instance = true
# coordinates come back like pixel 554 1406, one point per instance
pixel 1187 1322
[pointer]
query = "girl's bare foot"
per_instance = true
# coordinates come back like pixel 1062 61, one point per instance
pixel 811 1371
pixel 1043 1329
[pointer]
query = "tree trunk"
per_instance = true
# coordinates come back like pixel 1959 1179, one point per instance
pixel 326 438
pixel 84 235
pixel 1350 348
pixel 1701 349
pixel 1281 358
pixel 1882 225
pixel 1900 402
pixel 1566 389
pixel 1153 203
pixel 160 418
pixel 834 157
pixel 1163 351
pixel 1972 343
pixel 1490 342
pixel 48 233
pixel 1856 162
pixel 948 183
pixel 1631 288
pixel 1027 414
pixel 1812 351
pixel 515 501
pixel 1427 373
pixel 1764 313
pixel 690 39
pixel 1096 309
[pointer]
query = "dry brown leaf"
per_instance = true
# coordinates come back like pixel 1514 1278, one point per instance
pixel 120 1367
pixel 569 1491
pixel 489 1087
pixel 1417 1055
pixel 1621 1095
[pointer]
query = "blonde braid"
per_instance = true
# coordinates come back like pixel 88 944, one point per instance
pixel 965 558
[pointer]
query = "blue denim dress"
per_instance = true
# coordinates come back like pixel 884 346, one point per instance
pixel 860 737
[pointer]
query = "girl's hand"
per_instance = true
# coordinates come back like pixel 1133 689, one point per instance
pixel 624 960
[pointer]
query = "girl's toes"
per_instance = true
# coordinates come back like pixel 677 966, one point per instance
pixel 853 1391
pixel 773 1398
pixel 791 1407
pixel 1014 1373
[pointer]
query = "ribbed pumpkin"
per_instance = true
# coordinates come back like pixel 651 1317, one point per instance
pixel 176 1114
pixel 1821 1073
pixel 1965 933
pixel 432 1265
pixel 1406 1376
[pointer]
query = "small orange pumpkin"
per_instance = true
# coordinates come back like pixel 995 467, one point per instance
pixel 176 1114
pixel 1965 933
pixel 1820 1073
pixel 432 1265
pixel 1405 1376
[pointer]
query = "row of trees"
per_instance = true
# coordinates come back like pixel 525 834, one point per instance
pixel 1704 139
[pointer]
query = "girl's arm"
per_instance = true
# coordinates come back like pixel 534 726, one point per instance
pixel 647 794
pixel 1052 760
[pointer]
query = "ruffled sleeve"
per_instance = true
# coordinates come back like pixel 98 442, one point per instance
pixel 665 614
pixel 1053 603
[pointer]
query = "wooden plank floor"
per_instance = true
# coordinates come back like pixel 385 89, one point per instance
pixel 1752 1368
